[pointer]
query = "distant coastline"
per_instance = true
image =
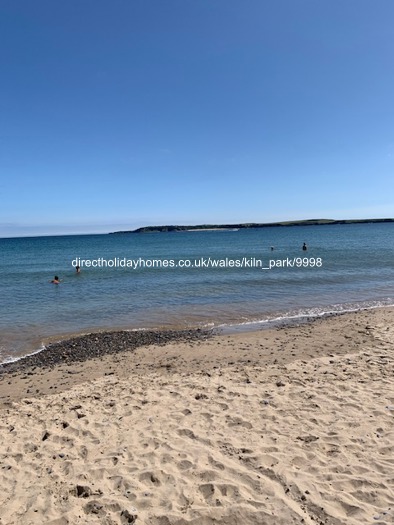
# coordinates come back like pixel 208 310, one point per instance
pixel 220 227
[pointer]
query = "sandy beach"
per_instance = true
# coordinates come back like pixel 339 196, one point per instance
pixel 275 427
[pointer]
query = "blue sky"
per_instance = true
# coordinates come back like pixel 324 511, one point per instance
pixel 122 113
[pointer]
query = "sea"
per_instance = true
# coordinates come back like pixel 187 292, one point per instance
pixel 231 280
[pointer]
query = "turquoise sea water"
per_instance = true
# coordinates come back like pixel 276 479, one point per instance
pixel 357 271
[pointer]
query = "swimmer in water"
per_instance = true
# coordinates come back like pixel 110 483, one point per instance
pixel 304 247
pixel 55 280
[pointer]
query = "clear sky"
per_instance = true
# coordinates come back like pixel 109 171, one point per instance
pixel 121 113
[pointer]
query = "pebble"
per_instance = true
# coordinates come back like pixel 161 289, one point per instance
pixel 84 347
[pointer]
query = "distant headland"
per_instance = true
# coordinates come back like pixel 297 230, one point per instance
pixel 213 227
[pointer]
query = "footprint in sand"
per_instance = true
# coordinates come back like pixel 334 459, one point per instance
pixel 237 421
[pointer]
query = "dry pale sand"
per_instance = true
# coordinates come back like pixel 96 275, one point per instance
pixel 272 427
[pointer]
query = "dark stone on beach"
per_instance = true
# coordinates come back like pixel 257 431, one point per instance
pixel 89 346
pixel 81 491
pixel 200 396
pixel 127 517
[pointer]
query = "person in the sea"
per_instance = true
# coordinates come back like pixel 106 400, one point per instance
pixel 304 247
pixel 78 269
pixel 55 280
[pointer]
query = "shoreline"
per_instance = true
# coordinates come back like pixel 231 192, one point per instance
pixel 276 427
pixel 56 341
pixel 74 360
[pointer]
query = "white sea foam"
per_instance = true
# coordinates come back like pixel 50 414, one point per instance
pixel 10 359
pixel 303 315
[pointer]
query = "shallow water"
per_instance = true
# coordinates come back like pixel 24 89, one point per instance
pixel 356 271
